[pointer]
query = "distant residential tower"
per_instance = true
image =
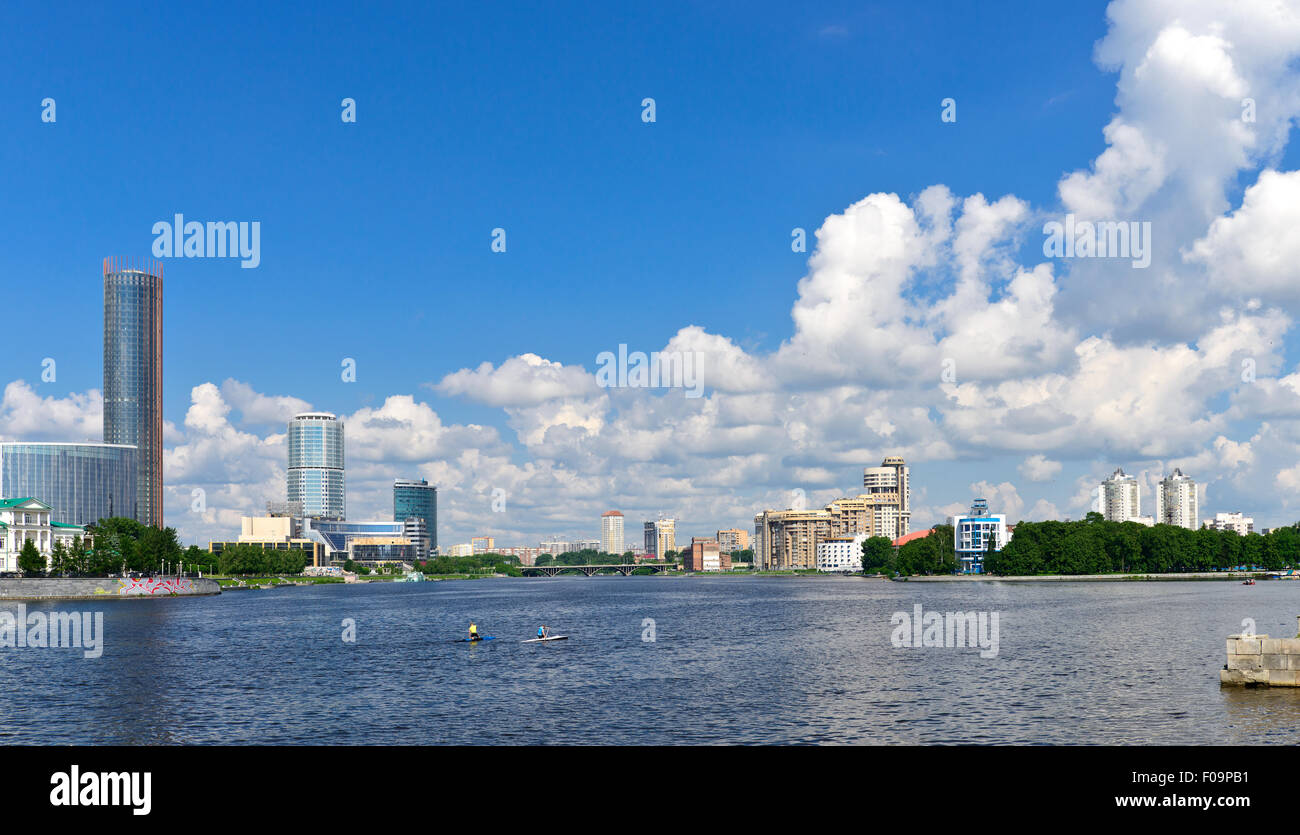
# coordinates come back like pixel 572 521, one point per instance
pixel 611 532
pixel 1176 501
pixel 1120 499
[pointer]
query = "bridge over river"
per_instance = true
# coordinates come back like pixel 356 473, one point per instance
pixel 625 570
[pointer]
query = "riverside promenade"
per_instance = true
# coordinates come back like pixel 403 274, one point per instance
pixel 1083 578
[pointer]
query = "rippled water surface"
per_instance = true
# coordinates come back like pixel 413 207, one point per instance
pixel 734 660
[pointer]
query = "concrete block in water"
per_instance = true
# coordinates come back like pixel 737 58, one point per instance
pixel 1249 646
pixel 1258 660
pixel 1245 662
pixel 1282 678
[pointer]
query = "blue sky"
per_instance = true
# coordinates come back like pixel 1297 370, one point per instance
pixel 375 235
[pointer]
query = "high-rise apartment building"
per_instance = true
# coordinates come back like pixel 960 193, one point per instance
pixel 787 539
pixel 1176 501
pixel 888 489
pixel 555 546
pixel 1120 499
pixel 526 555
pixel 611 532
pixel 733 539
pixel 661 536
pixel 418 499
pixel 483 544
pixel 315 474
pixel 133 357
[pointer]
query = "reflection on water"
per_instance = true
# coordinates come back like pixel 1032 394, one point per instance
pixel 735 660
pixel 1261 715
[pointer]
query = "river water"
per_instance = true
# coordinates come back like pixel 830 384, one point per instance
pixel 744 660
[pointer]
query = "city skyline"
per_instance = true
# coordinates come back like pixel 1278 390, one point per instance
pixel 923 318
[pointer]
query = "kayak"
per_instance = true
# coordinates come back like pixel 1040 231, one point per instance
pixel 544 640
pixel 474 640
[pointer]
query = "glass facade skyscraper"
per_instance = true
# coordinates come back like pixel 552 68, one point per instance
pixel 315 474
pixel 82 483
pixel 133 375
pixel 417 499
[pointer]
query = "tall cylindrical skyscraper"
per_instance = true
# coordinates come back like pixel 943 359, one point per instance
pixel 315 475
pixel 133 298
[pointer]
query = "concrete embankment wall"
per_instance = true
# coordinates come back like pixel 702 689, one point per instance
pixel 99 588
pixel 1261 661
pixel 1082 578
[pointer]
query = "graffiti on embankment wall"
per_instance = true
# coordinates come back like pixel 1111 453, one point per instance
pixel 155 585
pixel 74 588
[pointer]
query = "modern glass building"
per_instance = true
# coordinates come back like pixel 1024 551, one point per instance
pixel 82 483
pixel 315 474
pixel 337 536
pixel 417 499
pixel 975 534
pixel 133 374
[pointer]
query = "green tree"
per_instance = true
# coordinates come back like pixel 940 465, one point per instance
pixel 877 553
pixel 59 558
pixel 30 560
pixel 77 557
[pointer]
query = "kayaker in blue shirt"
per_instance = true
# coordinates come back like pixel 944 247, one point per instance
pixel 543 632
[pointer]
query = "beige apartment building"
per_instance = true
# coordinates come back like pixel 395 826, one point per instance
pixel 661 536
pixel 889 490
pixel 788 539
pixel 733 539
pixel 611 532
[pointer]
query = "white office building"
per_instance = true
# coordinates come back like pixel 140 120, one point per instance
pixel 1235 521
pixel 974 533
pixel 840 553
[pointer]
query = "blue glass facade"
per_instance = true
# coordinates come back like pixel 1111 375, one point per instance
pixel 133 375
pixel 420 500
pixel 337 535
pixel 82 483
pixel 316 471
